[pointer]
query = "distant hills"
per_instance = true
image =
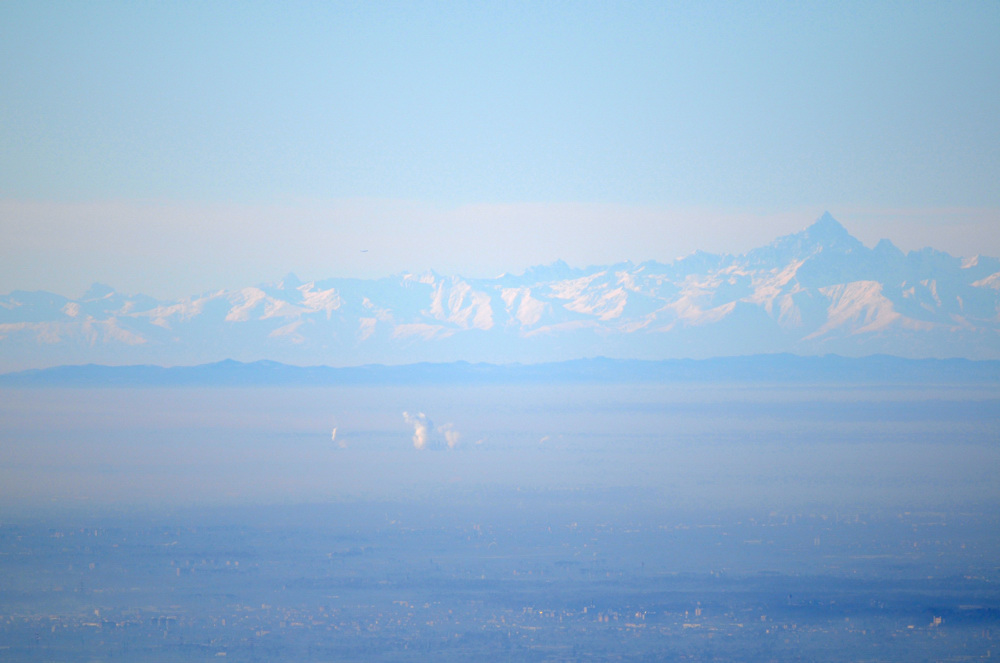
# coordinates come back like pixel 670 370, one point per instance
pixel 815 292
pixel 778 369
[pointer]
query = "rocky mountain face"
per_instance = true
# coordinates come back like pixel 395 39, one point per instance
pixel 814 292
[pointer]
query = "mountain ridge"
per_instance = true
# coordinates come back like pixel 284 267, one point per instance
pixel 814 292
pixel 759 369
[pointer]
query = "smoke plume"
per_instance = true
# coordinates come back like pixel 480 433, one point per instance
pixel 333 438
pixel 421 428
pixel 426 436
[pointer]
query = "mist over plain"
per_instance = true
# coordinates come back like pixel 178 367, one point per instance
pixel 701 446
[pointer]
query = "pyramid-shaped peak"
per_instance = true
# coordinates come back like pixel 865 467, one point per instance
pixel 824 235
pixel 827 226
pixel 886 247
pixel 290 281
pixel 827 231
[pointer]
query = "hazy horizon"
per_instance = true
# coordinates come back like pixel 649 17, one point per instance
pixel 247 141
pixel 191 155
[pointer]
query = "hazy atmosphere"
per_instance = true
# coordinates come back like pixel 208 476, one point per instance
pixel 499 331
pixel 175 149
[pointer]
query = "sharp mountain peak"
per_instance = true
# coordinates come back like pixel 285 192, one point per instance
pixel 816 291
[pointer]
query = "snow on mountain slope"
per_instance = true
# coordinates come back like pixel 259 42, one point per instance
pixel 327 300
pixel 819 290
pixel 992 281
pixel 594 295
pixel 520 305
pixel 861 308
pixel 456 302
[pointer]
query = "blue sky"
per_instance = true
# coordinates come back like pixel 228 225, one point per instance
pixel 172 148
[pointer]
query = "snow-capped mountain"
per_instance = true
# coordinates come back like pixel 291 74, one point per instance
pixel 814 292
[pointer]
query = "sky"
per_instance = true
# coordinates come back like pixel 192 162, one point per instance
pixel 176 148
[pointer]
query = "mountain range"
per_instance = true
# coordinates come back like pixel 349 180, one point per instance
pixel 814 292
pixel 775 369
